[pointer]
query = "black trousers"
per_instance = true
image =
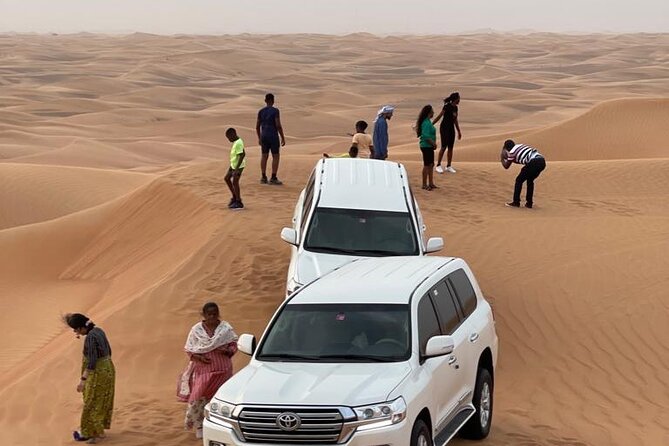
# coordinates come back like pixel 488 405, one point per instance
pixel 528 173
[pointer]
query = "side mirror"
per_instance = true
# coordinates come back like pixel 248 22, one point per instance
pixel 434 244
pixel 289 235
pixel 247 344
pixel 439 346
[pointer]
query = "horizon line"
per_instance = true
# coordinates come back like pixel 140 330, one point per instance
pixel 480 31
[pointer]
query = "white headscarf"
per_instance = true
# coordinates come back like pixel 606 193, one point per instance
pixel 200 342
pixel 383 110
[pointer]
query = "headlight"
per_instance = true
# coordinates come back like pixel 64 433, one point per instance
pixel 219 412
pixel 292 286
pixel 381 415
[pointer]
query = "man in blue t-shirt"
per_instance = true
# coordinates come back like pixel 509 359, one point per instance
pixel 380 138
pixel 270 138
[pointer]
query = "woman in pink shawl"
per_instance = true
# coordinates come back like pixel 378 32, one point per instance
pixel 210 347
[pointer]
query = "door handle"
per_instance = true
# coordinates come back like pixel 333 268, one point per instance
pixel 452 360
pixel 473 337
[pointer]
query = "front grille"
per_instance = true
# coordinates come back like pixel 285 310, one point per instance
pixel 317 426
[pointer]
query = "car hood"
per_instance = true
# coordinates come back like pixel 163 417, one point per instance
pixel 312 265
pixel 293 383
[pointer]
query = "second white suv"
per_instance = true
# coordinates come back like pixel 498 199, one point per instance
pixel 352 208
pixel 390 351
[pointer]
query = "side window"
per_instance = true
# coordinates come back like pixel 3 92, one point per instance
pixel 428 325
pixel 308 198
pixel 446 309
pixel 464 290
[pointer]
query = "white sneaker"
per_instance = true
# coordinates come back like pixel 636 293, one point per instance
pixel 449 169
pixel 439 169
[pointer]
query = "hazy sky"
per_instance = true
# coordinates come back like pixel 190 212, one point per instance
pixel 334 16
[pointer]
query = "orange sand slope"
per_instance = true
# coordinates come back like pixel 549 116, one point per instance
pixel 619 129
pixel 113 204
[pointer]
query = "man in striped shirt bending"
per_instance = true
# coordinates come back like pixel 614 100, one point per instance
pixel 533 164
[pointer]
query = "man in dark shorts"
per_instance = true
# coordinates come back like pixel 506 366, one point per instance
pixel 270 138
pixel 447 129
pixel 533 164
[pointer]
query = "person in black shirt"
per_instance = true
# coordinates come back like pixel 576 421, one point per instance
pixel 269 129
pixel 449 125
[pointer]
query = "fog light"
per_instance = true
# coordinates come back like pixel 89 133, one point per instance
pixel 216 443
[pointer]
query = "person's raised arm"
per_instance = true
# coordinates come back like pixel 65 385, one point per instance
pixel 279 127
pixel 435 120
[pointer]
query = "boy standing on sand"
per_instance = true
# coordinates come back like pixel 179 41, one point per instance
pixel 362 140
pixel 270 138
pixel 237 164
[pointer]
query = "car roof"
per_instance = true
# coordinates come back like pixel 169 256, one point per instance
pixel 390 280
pixel 355 183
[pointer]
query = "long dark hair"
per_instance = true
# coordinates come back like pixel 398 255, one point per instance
pixel 424 113
pixel 452 97
pixel 78 320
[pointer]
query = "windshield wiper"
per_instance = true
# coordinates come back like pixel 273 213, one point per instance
pixel 360 357
pixel 381 252
pixel 357 252
pixel 332 250
pixel 288 356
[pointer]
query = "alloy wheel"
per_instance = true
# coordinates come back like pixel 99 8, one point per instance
pixel 484 407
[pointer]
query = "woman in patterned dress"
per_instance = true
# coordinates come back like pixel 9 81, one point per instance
pixel 97 379
pixel 210 346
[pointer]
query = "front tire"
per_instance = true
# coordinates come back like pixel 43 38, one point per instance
pixel 478 426
pixel 420 434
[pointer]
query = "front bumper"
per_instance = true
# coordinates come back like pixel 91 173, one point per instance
pixel 396 435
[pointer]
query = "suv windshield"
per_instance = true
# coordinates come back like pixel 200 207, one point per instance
pixel 361 233
pixel 339 333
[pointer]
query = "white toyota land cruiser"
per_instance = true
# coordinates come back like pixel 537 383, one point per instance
pixel 353 208
pixel 390 351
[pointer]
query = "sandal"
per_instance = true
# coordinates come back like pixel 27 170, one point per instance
pixel 426 188
pixel 78 437
pixel 433 186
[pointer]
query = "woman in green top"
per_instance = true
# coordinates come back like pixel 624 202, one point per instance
pixel 427 133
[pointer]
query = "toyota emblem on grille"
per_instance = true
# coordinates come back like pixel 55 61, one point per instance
pixel 288 421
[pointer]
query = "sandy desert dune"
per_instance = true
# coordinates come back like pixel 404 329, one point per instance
pixel 112 156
